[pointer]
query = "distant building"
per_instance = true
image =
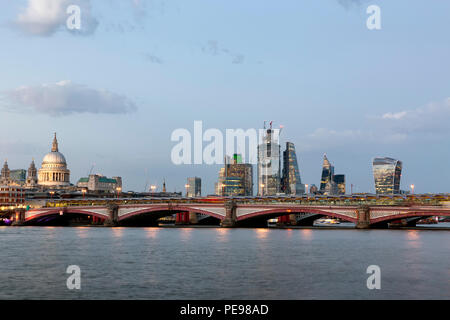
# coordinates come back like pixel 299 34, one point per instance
pixel 313 189
pixel 339 183
pixel 194 187
pixel 11 196
pixel 5 178
pixel 331 184
pixel 218 186
pixel 327 174
pixel 291 182
pixel 32 177
pixel 54 172
pixel 387 173
pixel 18 176
pixel 269 163
pixel 100 183
pixel 238 177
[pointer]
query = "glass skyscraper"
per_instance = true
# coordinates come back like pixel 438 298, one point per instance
pixel 194 187
pixel 327 174
pixel 269 173
pixel 387 173
pixel 339 181
pixel 291 182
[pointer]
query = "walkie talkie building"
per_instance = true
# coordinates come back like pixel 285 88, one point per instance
pixel 387 173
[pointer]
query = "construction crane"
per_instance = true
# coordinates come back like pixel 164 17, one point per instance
pixel 92 168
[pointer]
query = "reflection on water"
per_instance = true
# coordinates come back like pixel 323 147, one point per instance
pixel 306 234
pixel 117 232
pixel 223 234
pixel 185 234
pixel 216 263
pixel 262 233
pixel 413 237
pixel 152 233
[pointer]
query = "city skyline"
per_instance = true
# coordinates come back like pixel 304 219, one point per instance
pixel 56 158
pixel 116 92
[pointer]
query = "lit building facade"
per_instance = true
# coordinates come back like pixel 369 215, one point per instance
pixel 327 175
pixel 54 172
pixel 194 187
pixel 99 183
pixel 339 183
pixel 387 173
pixel 218 187
pixel 291 182
pixel 11 196
pixel 269 163
pixel 238 177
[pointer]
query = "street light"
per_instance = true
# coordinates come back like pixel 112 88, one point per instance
pixel 118 189
pixel 51 194
pixel 186 186
pixel 412 189
pixel 262 189
pixel 306 188
pixel 153 188
pixel 83 191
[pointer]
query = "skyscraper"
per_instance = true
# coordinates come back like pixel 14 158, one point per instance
pixel 339 182
pixel 291 182
pixel 269 174
pixel 235 178
pixel 219 184
pixel 327 174
pixel 194 187
pixel 387 173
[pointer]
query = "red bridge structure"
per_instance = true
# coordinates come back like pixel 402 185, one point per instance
pixel 365 211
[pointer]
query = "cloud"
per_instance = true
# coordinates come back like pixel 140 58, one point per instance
pixel 46 17
pixel 432 118
pixel 153 58
pixel 65 97
pixel 213 48
pixel 350 3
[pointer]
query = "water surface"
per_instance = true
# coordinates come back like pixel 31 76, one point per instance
pixel 215 263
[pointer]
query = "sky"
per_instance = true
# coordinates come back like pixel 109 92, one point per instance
pixel 136 70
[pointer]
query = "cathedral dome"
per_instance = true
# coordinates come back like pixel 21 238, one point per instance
pixel 54 158
pixel 54 172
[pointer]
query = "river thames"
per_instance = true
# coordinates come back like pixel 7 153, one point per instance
pixel 216 263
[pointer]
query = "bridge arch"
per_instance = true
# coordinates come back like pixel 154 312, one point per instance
pixel 167 210
pixel 56 212
pixel 273 213
pixel 414 214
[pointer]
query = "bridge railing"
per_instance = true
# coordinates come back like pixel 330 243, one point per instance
pixel 352 200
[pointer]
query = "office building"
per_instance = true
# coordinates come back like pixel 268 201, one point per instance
pixel 194 187
pixel 291 182
pixel 269 173
pixel 99 183
pixel 387 173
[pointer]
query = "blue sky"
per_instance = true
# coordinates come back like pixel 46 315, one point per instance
pixel 138 70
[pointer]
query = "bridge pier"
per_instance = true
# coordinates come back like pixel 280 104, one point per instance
pixel 113 218
pixel 286 220
pixel 363 216
pixel 230 215
pixel 19 217
pixel 184 218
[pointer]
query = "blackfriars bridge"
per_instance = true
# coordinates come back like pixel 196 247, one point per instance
pixel 363 211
